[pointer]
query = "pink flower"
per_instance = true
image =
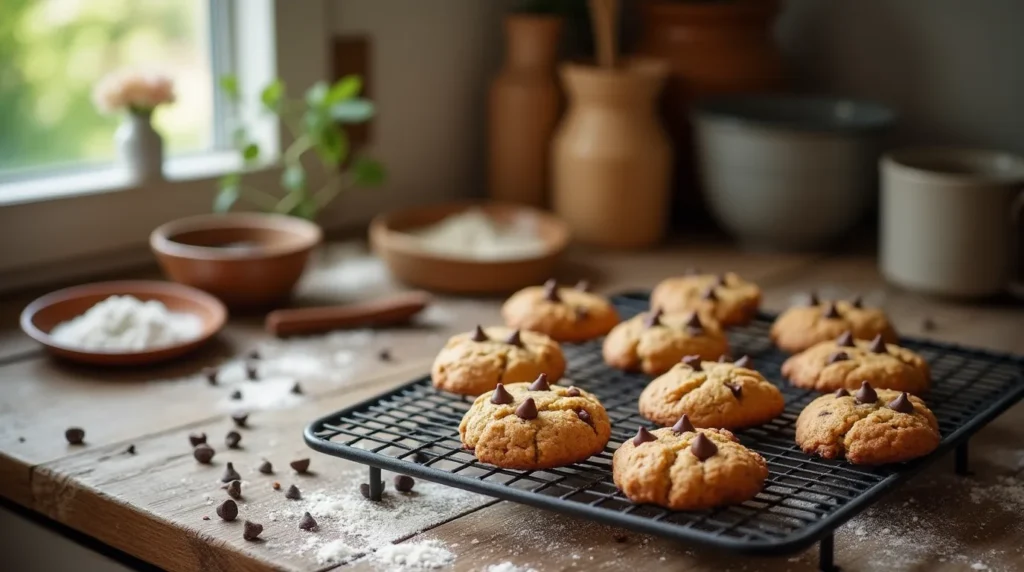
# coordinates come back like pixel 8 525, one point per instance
pixel 132 90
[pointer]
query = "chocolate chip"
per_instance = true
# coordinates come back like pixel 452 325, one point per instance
pixel 878 346
pixel 723 359
pixel 831 312
pixel 255 354
pixel 693 361
pixel 501 396
pixel 551 291
pixel 857 301
pixel 420 458
pixel 703 448
pixel 866 393
pixel 582 312
pixel 276 486
pixel 824 413
pixel 232 439
pixel 902 404
pixel 514 339
pixel 307 522
pixel 300 466
pixel 572 391
pixel 643 436
pixel 228 510
pixel 841 392
pixel 812 299
pixel 653 318
pixel 928 324
pixel 479 335
pixel 709 294
pixel 541 384
pixel 722 280
pixel 203 453
pixel 364 489
pixel 236 395
pixel 620 538
pixel 845 340
pixel 206 518
pixel 230 474
pixel 527 409
pixel 683 425
pixel 251 531
pixel 75 435
pixel 240 419
pixel 583 286
pixel 693 324
pixel 583 415
pixel 250 372
pixel 296 389
pixel 21 439
pixel 403 483
pixel 836 356
pixel 235 489
pixel 266 468
pixel 293 493
pixel 384 355
pixel 735 388
pixel 744 361
pixel 130 450
pixel 196 439
pixel 210 373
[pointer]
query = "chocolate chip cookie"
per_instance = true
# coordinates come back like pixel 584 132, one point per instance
pixel 846 362
pixel 683 468
pixel 564 314
pixel 868 427
pixel 725 297
pixel 654 342
pixel 713 394
pixel 472 363
pixel 801 327
pixel 535 426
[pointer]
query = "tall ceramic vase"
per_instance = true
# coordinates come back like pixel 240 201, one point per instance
pixel 524 106
pixel 141 148
pixel 611 159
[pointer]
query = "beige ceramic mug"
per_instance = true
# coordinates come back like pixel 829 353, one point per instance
pixel 951 221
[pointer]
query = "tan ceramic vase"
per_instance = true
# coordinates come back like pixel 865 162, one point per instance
pixel 611 159
pixel 524 106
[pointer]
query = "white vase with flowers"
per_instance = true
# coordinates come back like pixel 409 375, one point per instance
pixel 137 95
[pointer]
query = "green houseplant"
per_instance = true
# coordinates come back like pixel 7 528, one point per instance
pixel 316 123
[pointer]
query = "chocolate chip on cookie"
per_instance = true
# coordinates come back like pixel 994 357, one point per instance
pixel 514 339
pixel 830 365
pixel 541 383
pixel 801 327
pixel 812 299
pixel 572 391
pixel 643 436
pixel 694 325
pixel 683 425
pixel 562 313
pixel 583 415
pixel 735 388
pixel 703 448
pixel 527 409
pixel 831 311
pixel 709 294
pixel 836 356
pixel 845 340
pixel 841 392
pixel 744 361
pixel 551 291
pixel 653 318
pixel 693 362
pixel 637 344
pixel 726 298
pixel 857 301
pixel 902 404
pixel 479 335
pixel 866 393
pixel 501 396
pixel 877 346
pixel 583 286
pixel 471 367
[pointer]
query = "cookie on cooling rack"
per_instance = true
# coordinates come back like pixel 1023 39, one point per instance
pixel 713 394
pixel 565 314
pixel 868 427
pixel 800 327
pixel 474 362
pixel 846 362
pixel 535 426
pixel 725 297
pixel 653 342
pixel 683 468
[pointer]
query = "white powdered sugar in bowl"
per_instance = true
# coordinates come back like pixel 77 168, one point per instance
pixel 474 235
pixel 127 324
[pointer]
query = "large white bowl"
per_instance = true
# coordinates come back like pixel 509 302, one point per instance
pixel 788 172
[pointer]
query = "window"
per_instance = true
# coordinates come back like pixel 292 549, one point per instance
pixel 54 51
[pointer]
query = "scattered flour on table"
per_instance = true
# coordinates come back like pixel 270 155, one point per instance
pixel 125 323
pixel 508 567
pixel 426 555
pixel 333 552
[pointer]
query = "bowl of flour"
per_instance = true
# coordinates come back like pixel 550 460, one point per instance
pixel 124 322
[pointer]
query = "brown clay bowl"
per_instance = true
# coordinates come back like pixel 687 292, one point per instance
pixel 40 317
pixel 412 264
pixel 248 260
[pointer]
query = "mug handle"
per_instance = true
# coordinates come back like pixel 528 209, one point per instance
pixel 1016 285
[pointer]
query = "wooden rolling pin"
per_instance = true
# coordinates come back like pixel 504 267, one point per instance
pixel 386 311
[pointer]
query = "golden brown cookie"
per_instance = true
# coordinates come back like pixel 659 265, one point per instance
pixel 725 297
pixel 845 362
pixel 683 468
pixel 564 314
pixel 801 327
pixel 713 394
pixel 653 342
pixel 535 426
pixel 474 362
pixel 870 427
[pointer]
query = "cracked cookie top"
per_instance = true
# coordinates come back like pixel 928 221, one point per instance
pixel 725 297
pixel 565 314
pixel 473 362
pixel 535 425
pixel 654 342
pixel 846 362
pixel 800 327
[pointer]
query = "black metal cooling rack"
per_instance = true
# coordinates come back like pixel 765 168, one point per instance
pixel 414 430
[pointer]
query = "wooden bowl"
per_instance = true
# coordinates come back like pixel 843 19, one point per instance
pixel 411 263
pixel 40 317
pixel 248 260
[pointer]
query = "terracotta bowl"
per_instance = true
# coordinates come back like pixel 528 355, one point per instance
pixel 410 263
pixel 40 317
pixel 247 260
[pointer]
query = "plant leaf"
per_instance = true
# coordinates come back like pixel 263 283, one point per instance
pixel 306 208
pixel 345 88
pixel 332 145
pixel 356 110
pixel 229 84
pixel 272 94
pixel 317 95
pixel 294 178
pixel 251 152
pixel 367 172
pixel 230 188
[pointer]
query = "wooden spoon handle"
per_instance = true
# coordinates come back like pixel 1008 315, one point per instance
pixel 386 311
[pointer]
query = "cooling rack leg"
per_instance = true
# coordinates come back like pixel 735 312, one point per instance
pixel 376 485
pixel 961 459
pixel 826 562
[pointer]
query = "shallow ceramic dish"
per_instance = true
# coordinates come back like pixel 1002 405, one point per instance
pixel 412 264
pixel 248 260
pixel 40 317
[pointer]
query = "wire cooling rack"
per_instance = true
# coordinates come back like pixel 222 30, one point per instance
pixel 414 430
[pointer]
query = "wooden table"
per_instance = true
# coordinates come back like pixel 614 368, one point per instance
pixel 151 504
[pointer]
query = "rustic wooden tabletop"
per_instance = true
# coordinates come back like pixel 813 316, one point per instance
pixel 153 504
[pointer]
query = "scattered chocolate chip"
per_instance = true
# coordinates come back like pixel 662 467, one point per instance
pixel 210 373
pixel 723 359
pixel 845 340
pixel 206 518
pixel 236 395
pixel 572 391
pixel 620 538
pixel 240 419
pixel 709 294
pixel 703 448
pixel 479 335
pixel 878 346
pixel 232 439
pixel 235 489
pixel 296 389
pixel 583 415
pixel 21 439
pixel 836 356
pixel 541 383
pixel 364 489
pixel 300 466
pixel 812 299
pixel 384 355
pixel 551 291
pixel 501 396
pixel 831 312
pixel 196 439
pixel 228 510
pixel 307 522
pixel 583 286
pixel 928 324
pixel 683 425
pixel 693 324
pixel 722 280
pixel 744 361
pixel 251 530
pixel 902 404
pixel 203 453
pixel 230 474
pixel 276 486
pixel 420 458
pixel 266 468
pixel 250 372
pixel 735 388
pixel 643 436
pixel 293 493
pixel 75 435
pixel 653 318
pixel 841 392
pixel 857 301
pixel 255 354
pixel 693 361
pixel 130 450
pixel 404 483
pixel 527 409
pixel 582 313
pixel 514 339
pixel 866 393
